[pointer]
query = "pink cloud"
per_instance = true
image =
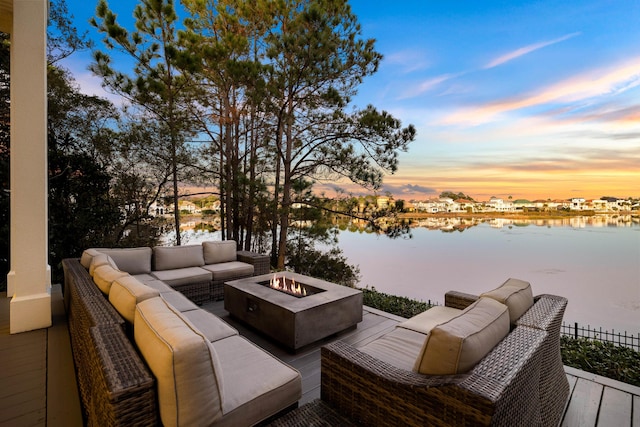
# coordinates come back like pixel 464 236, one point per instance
pixel 526 50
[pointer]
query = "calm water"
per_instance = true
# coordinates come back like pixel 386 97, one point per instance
pixel 594 262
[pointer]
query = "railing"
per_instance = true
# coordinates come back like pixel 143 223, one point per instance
pixel 616 338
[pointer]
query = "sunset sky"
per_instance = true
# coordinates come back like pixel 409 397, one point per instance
pixel 526 99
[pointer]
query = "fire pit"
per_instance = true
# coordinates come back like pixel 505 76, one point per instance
pixel 289 286
pixel 317 310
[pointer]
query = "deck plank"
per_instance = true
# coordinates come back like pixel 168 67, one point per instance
pixel 615 408
pixel 584 404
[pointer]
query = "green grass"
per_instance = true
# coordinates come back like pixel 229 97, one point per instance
pixel 597 357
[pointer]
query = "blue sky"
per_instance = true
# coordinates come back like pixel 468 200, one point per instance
pixel 510 98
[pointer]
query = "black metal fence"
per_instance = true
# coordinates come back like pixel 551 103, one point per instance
pixel 623 339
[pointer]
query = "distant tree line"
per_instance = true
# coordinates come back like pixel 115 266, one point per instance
pixel 251 97
pixel 456 196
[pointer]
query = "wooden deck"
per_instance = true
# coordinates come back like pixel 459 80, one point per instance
pixel 37 386
pixel 37 377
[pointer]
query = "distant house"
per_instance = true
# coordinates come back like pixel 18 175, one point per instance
pixel 466 205
pixel 578 204
pixel 430 205
pixel 157 209
pixel 499 205
pixel 522 204
pixel 385 202
pixel 186 205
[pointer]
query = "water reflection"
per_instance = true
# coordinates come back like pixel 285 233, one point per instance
pixel 592 260
pixel 450 224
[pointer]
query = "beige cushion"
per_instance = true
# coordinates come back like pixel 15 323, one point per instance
pixel 229 270
pixel 104 275
pixel 429 319
pixel 87 256
pixel 183 276
pixel 126 292
pixel 399 348
pixel 99 260
pixel 457 345
pixel 178 301
pixel 183 363
pixel 515 294
pixel 210 325
pixel 132 260
pixel 216 252
pixel 172 257
pixel 154 283
pixel 256 384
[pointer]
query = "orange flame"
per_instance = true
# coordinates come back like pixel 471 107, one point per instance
pixel 280 283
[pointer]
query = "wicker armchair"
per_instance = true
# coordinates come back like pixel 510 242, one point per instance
pixel 546 314
pixel 515 384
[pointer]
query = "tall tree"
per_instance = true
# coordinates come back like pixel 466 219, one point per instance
pixel 158 84
pixel 279 76
pixel 225 35
pixel 318 60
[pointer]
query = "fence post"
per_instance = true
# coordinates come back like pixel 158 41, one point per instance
pixel 576 330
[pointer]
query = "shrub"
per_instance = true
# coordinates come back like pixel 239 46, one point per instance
pixel 602 358
pixel 400 306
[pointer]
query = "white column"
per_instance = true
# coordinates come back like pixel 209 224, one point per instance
pixel 29 281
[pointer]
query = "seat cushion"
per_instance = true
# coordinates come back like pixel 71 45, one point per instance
pixel 183 363
pixel 516 295
pixel 399 348
pixel 229 270
pixel 211 326
pixel 183 276
pixel 175 257
pixel 222 251
pixel 456 346
pixel 126 292
pixel 256 385
pixel 429 319
pixel 154 283
pixel 132 260
pixel 104 275
pixel 179 301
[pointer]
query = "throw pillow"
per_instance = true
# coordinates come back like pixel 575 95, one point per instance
pixel 456 346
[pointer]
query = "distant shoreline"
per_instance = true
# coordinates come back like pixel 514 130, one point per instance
pixel 515 215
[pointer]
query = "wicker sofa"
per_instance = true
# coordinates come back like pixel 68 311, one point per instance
pixel 150 356
pixel 520 380
pixel 198 271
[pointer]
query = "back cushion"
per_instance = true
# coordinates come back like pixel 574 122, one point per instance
pixel 456 346
pixel 104 275
pixel 126 292
pixel 515 294
pixel 182 362
pixel 87 256
pixel 172 257
pixel 216 252
pixel 131 260
pixel 99 260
